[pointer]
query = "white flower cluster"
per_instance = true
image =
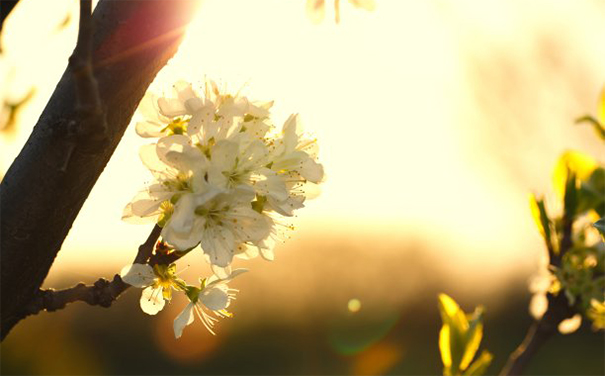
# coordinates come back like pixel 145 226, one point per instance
pixel 224 180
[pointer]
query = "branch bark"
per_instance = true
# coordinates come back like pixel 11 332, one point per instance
pixel 558 306
pixel 538 334
pixel 6 9
pixel 102 292
pixel 46 186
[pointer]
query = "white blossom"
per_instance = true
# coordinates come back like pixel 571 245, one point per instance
pixel 209 302
pixel 223 178
pixel 217 220
pixel 157 283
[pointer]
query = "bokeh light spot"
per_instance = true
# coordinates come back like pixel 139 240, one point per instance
pixel 354 305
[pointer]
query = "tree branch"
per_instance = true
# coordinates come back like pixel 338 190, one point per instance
pixel 43 190
pixel 6 9
pixel 102 293
pixel 146 249
pixel 92 128
pixel 557 311
pixel 540 331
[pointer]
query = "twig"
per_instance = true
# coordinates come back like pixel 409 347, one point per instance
pixel 146 249
pixel 165 258
pixel 557 311
pixel 540 331
pixel 102 292
pixel 134 40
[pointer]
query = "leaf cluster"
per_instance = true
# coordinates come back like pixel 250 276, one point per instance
pixel 459 339
pixel 576 251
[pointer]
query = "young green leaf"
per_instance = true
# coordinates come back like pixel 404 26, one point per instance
pixel 538 211
pixel 572 161
pixel 570 199
pixel 460 335
pixel 452 337
pixel 473 337
pixel 591 195
pixel 596 125
pixel 480 365
pixel 600 225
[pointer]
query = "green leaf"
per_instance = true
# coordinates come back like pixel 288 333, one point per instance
pixel 598 127
pixel 452 337
pixel 460 336
pixel 580 164
pixel 193 292
pixel 474 336
pixel 259 204
pixel 570 199
pixel 591 195
pixel 538 211
pixel 600 225
pixel 601 107
pixel 480 365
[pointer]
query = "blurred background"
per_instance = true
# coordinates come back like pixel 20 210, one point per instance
pixel 435 120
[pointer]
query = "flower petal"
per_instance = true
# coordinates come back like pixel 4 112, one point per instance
pixel 171 107
pixel 215 279
pixel 291 130
pixel 267 253
pixel 219 244
pixel 182 320
pixel 150 159
pixel 224 154
pixel 287 206
pixel 147 203
pixel 311 170
pixel 183 216
pixel 271 185
pixel 129 217
pixel 148 106
pixel 184 90
pixel 570 325
pixel 251 226
pixel 316 10
pixel 219 272
pixel 184 229
pixel 150 129
pixel 214 298
pixel 138 275
pixel 176 151
pixel 152 301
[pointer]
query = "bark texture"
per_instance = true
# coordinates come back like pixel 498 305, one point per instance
pixel 48 182
pixel 6 6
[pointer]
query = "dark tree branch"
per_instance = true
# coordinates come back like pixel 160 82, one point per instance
pixel 90 130
pixel 102 293
pixel 540 331
pixel 165 258
pixel 557 311
pixel 146 249
pixel 6 6
pixel 92 127
pixel 47 184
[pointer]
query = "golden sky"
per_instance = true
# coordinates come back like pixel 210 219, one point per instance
pixel 435 119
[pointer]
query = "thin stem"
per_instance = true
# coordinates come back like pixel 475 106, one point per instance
pixel 102 292
pixel 538 334
pixel 146 249
pixel 58 166
pixel 558 306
